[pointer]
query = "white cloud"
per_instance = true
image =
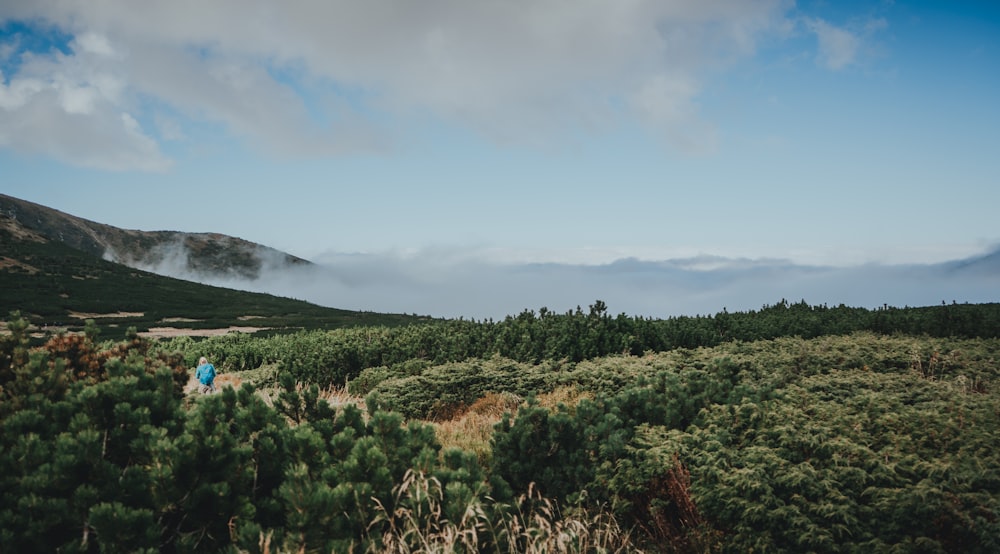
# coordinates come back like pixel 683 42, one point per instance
pixel 840 47
pixel 837 47
pixel 72 107
pixel 668 103
pixel 18 92
pixel 514 71
pixel 93 43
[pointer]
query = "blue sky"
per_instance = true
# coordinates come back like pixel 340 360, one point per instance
pixel 497 134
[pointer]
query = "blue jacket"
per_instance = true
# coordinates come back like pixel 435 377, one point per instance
pixel 205 374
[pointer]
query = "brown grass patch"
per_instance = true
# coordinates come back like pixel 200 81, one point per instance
pixel 472 430
pixel 570 396
pixel 6 262
pixel 160 332
pixel 20 232
pixel 337 397
pixel 86 315
pixel 228 380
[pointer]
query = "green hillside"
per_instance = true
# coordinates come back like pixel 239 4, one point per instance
pixel 206 254
pixel 49 282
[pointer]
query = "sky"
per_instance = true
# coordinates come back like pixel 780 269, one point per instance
pixel 477 158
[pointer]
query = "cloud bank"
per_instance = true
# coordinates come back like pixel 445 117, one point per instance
pixel 321 78
pixel 449 284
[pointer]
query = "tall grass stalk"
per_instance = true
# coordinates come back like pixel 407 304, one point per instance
pixel 532 524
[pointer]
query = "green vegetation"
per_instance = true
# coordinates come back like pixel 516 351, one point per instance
pixel 208 253
pixel 547 343
pixel 847 443
pixel 50 281
pixel 791 429
pixel 100 451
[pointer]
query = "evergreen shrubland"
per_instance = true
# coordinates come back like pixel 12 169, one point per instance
pixel 787 430
pixel 545 337
pixel 127 462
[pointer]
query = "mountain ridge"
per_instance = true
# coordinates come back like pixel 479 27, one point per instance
pixel 55 272
pixel 206 255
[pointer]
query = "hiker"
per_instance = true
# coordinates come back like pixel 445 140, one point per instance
pixel 205 375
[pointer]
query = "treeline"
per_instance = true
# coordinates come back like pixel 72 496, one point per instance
pixel 336 356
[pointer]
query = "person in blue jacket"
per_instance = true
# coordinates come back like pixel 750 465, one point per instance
pixel 205 375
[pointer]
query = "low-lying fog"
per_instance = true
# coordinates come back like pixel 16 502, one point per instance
pixel 451 285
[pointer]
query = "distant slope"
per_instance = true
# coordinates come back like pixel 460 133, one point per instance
pixel 55 284
pixel 987 264
pixel 203 255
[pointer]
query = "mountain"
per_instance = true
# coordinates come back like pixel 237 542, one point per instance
pixel 57 271
pixel 204 256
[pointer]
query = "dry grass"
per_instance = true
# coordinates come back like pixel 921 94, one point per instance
pixel 335 396
pixel 88 315
pixel 570 396
pixel 533 524
pixel 228 380
pixel 6 262
pixel 472 430
pixel 165 332
pixel 338 397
